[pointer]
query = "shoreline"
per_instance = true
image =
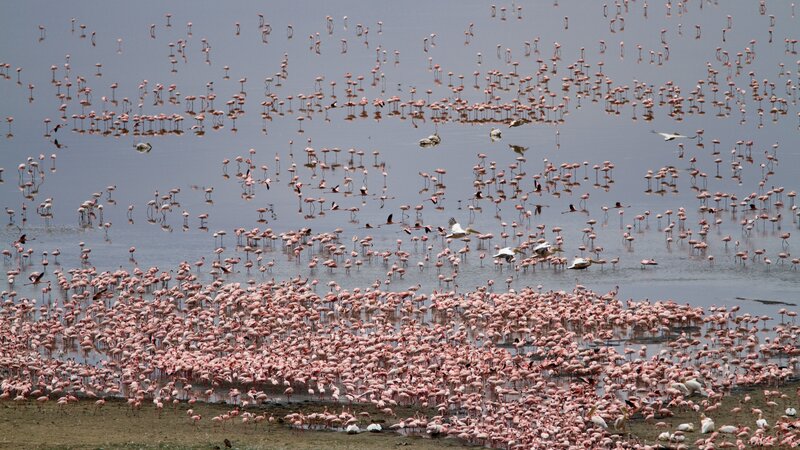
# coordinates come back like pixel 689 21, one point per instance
pixel 81 425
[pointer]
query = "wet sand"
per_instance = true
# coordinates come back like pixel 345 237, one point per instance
pixel 29 426
pixel 77 426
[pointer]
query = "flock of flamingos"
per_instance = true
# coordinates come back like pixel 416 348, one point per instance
pixel 502 365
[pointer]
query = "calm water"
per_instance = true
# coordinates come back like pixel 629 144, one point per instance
pixel 88 163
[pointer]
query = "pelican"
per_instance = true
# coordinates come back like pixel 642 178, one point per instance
pixel 683 388
pixel 430 141
pixel 143 147
pixel 730 429
pixel 518 149
pixel 546 249
pixel 687 427
pixel 426 142
pixel 456 232
pixel 762 423
pixel 434 429
pixel 507 253
pixel 517 123
pixel 580 263
pixel 672 136
pixel 374 428
pixel 706 424
pixel 791 412
pixel 495 134
pixel 693 386
pixel 597 419
pixel 352 429
pixel 621 421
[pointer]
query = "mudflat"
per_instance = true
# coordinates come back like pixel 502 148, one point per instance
pixel 81 425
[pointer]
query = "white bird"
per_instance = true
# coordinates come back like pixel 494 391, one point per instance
pixel 706 424
pixel 672 136
pixel 143 147
pixel 688 427
pixel 518 149
pixel 495 134
pixel 507 253
pixel 542 248
pixel 352 429
pixel 374 428
pixel 664 436
pixel 550 250
pixel 791 412
pixel 681 387
pixel 730 429
pixel 762 423
pixel 694 386
pixel 434 429
pixel 456 232
pixel 597 419
pixel 580 263
pixel 430 141
pixel 517 122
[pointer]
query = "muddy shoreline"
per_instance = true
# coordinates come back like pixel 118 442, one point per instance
pixel 82 425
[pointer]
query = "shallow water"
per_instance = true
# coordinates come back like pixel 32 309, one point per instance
pixel 192 163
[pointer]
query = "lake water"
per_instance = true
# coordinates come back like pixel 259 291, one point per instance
pixel 407 50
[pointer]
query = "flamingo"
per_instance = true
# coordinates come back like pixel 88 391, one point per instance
pixel 648 262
